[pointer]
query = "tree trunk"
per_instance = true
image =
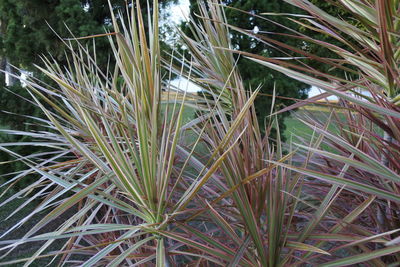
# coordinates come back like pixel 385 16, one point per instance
pixel 11 71
pixel 3 65
pixel 3 59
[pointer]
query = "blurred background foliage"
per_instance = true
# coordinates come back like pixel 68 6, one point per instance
pixel 277 28
pixel 36 28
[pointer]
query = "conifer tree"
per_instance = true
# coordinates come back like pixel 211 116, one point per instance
pixel 31 29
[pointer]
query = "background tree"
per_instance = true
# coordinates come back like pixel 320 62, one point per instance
pixel 287 90
pixel 27 33
pixel 28 30
pixel 253 74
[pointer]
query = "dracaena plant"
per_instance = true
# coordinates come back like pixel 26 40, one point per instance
pixel 367 139
pixel 120 160
pixel 260 208
pixel 149 189
pixel 116 156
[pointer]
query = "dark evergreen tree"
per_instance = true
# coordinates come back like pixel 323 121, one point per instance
pixel 28 27
pixel 28 31
pixel 254 74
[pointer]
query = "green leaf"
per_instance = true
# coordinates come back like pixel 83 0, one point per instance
pixel 362 258
pixel 306 247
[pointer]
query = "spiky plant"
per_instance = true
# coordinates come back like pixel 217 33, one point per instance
pixel 115 155
pixel 368 137
pixel 266 205
pixel 128 167
pixel 118 158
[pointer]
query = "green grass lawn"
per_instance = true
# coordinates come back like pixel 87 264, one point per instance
pixel 295 127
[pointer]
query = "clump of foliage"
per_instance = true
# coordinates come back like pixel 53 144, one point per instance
pixel 367 143
pixel 151 189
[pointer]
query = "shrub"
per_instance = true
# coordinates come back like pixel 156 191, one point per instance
pixel 151 189
pixel 363 154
